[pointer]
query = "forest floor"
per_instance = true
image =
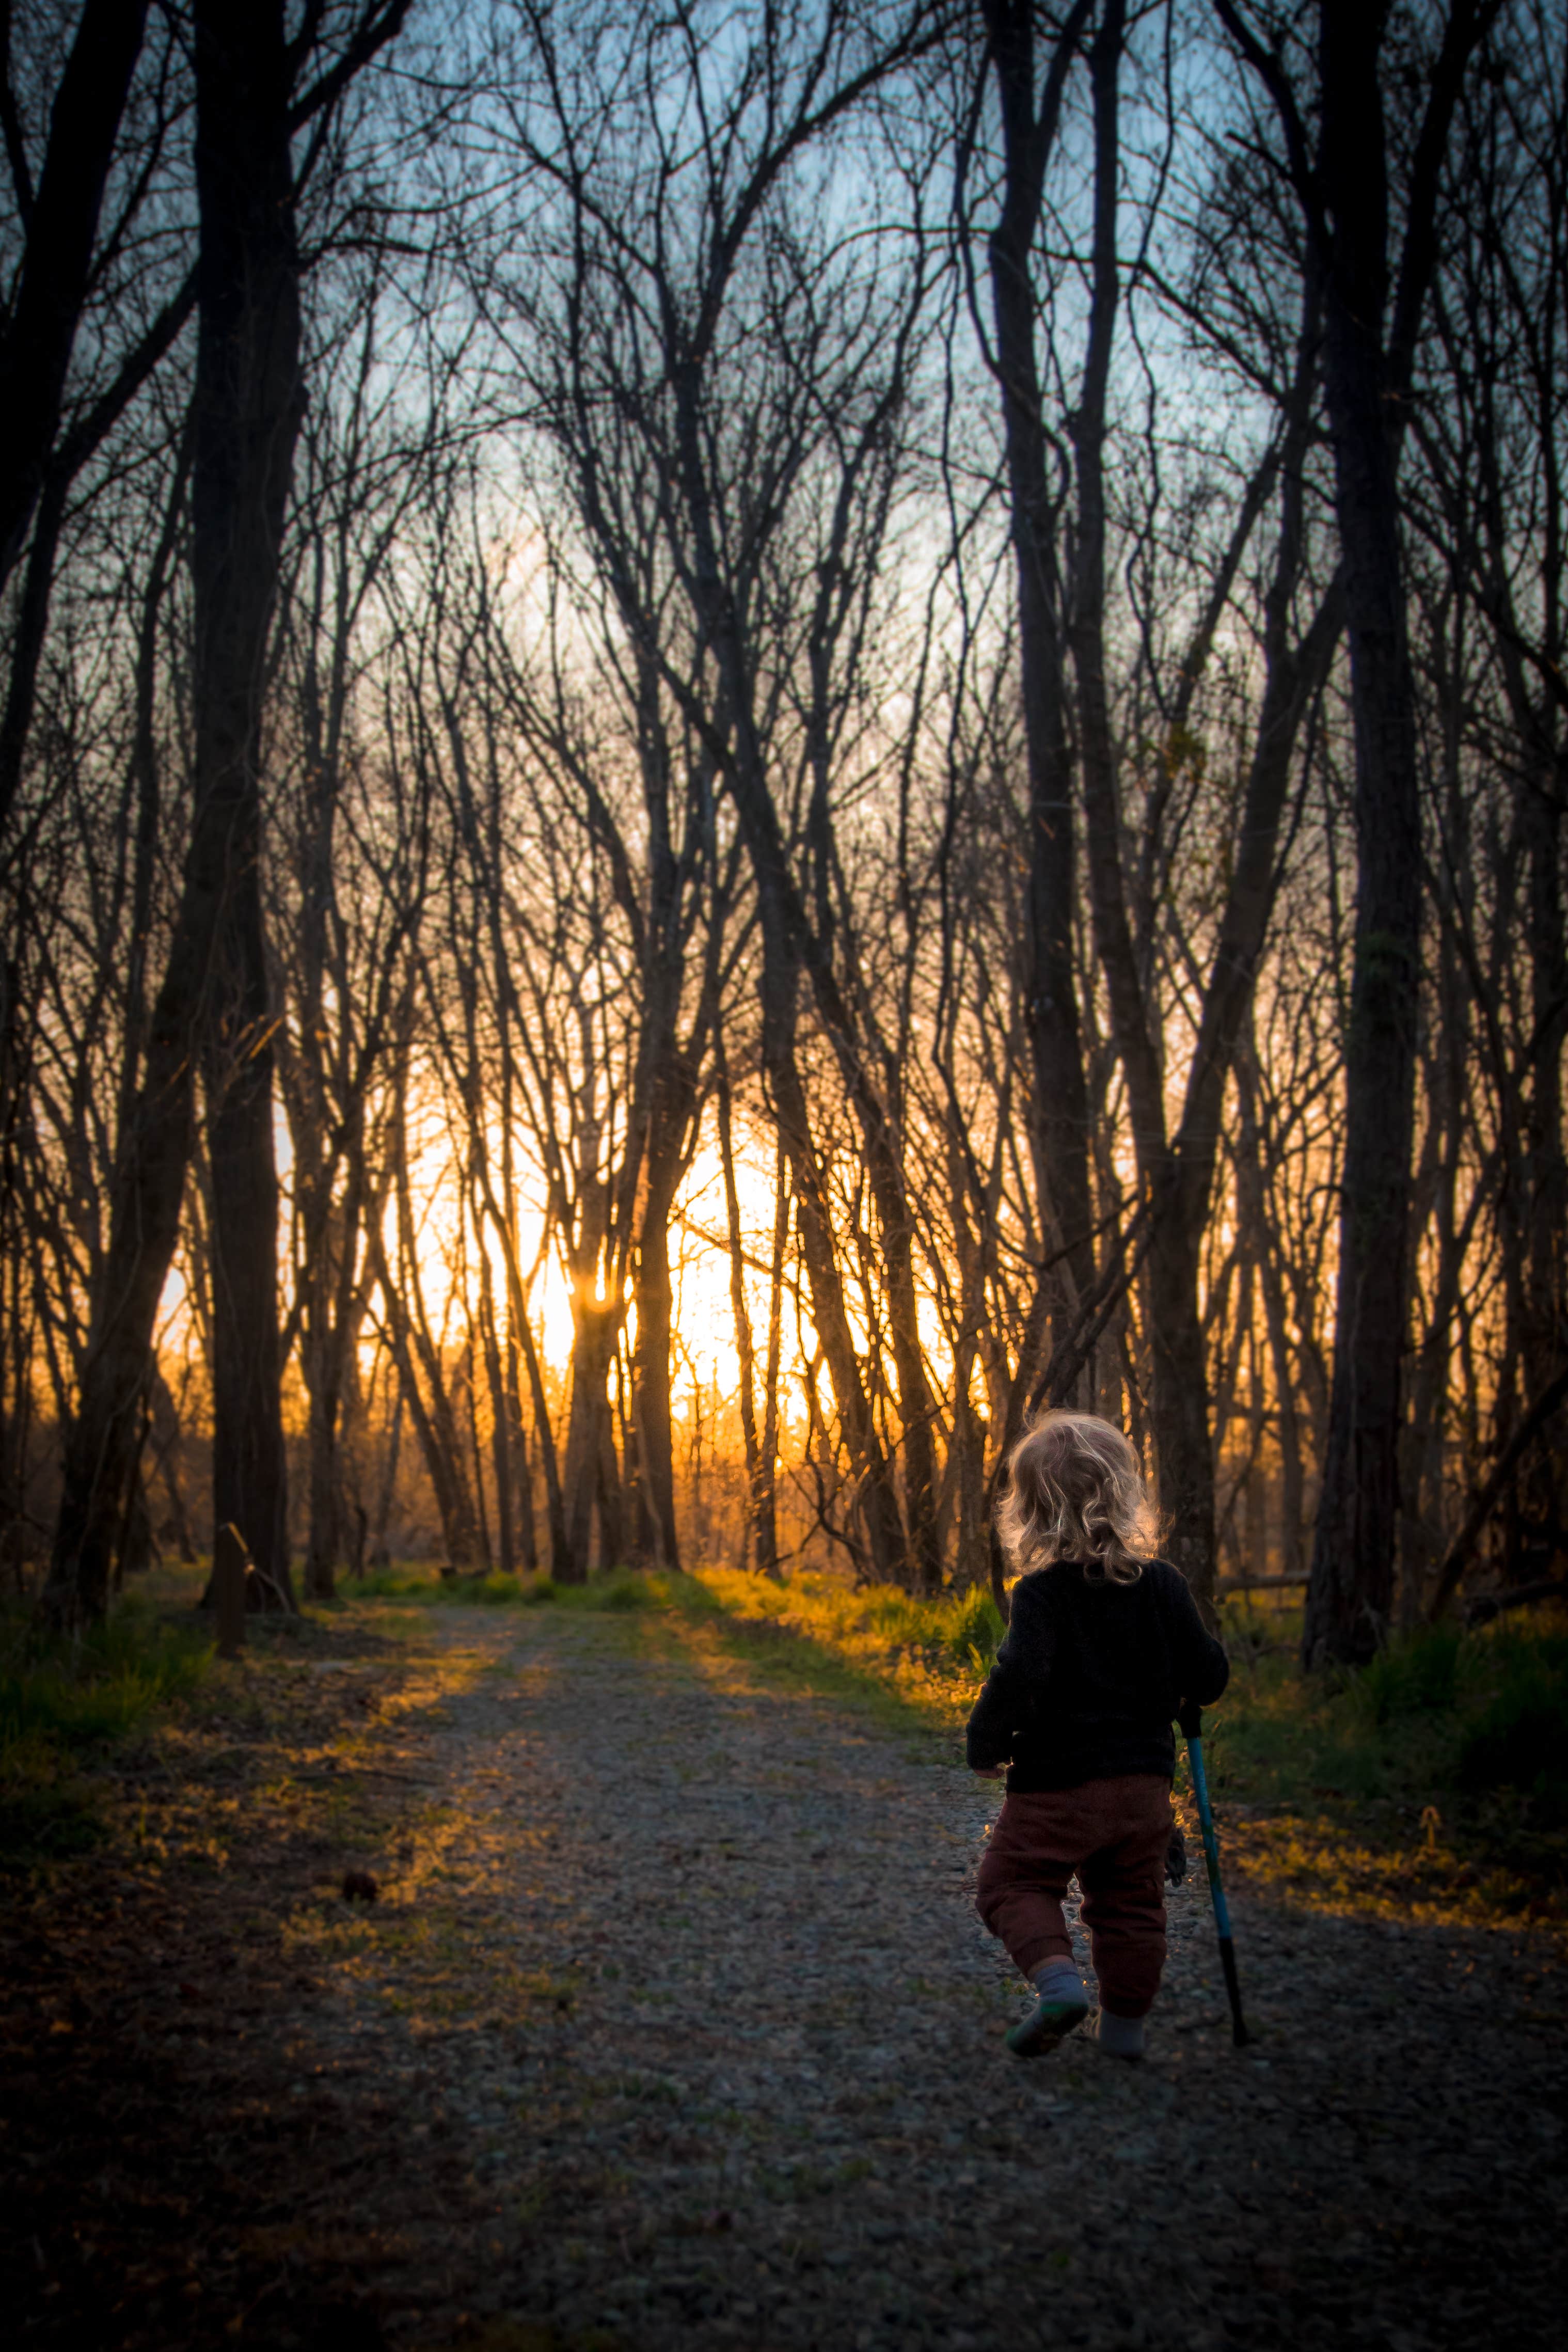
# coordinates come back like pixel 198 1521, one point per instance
pixel 671 2025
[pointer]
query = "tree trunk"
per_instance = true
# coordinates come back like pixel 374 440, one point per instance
pixel 500 1430
pixel 595 1325
pixel 248 397
pixel 746 1352
pixel 1060 1108
pixel 1543 1487
pixel 652 1466
pixel 323 1542
pixel 1252 1209
pixel 764 1493
pixel 1351 1596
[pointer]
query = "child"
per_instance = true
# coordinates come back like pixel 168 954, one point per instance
pixel 1104 1644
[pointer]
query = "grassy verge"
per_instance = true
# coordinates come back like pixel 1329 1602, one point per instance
pixel 917 1662
pixel 428 1588
pixel 63 1705
pixel 1434 1784
pixel 795 1639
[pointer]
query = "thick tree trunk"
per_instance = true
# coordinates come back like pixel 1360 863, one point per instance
pixel 595 1326
pixel 250 1473
pixel 248 397
pixel 1351 1597
pixel 1543 1299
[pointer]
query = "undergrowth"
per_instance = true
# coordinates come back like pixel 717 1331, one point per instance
pixel 64 1702
pixel 619 1589
pixel 935 1653
pixel 1439 1772
pixel 1439 1709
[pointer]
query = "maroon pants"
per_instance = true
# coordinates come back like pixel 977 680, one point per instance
pixel 1112 1834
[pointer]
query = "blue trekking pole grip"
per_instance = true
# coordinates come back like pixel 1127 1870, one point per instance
pixel 1191 1721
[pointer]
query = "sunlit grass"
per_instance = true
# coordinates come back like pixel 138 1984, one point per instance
pixel 1432 1784
pixel 620 1589
pixel 932 1655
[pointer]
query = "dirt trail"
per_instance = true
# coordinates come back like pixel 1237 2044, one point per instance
pixel 673 2026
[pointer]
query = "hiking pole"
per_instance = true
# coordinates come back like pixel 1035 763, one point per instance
pixel 1191 1721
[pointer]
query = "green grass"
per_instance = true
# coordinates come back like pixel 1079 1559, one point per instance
pixel 1472 1726
pixel 64 1703
pixel 1438 1710
pixel 618 1589
pixel 932 1653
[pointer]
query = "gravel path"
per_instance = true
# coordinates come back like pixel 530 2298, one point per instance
pixel 678 1970
pixel 672 2027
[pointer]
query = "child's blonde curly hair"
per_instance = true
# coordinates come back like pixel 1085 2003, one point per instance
pixel 1075 1491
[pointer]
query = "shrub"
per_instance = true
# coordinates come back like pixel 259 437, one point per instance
pixel 493 1591
pixel 973 1629
pixel 1417 1674
pixel 1517 1736
pixel 624 1594
pixel 98 1686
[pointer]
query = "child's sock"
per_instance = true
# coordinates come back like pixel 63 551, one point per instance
pixel 1058 1980
pixel 1060 2007
pixel 1120 2037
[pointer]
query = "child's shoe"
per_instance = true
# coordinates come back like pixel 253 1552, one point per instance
pixel 1060 2008
pixel 1117 2037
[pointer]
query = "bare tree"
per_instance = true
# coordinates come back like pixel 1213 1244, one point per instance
pixel 213 1000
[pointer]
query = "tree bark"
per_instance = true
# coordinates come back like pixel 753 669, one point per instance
pixel 249 399
pixel 1060 1106
pixel 1350 1600
pixel 212 1000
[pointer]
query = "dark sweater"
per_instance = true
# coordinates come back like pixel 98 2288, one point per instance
pixel 1090 1675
